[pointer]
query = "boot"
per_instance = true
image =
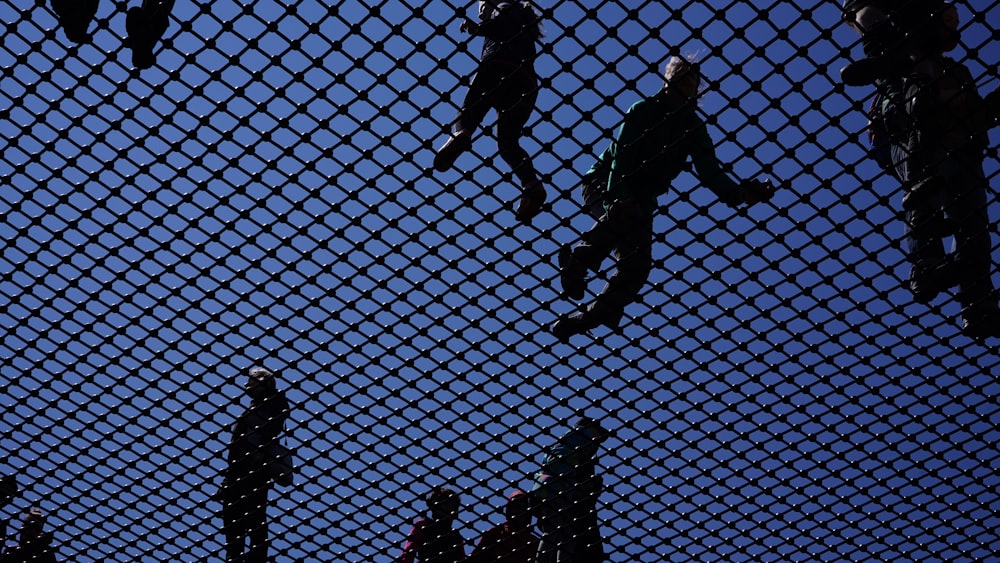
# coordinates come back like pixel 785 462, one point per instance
pixel 75 17
pixel 532 199
pixel 980 320
pixel 568 325
pixel 458 143
pixel 572 274
pixel 579 323
pixel 929 277
pixel 145 27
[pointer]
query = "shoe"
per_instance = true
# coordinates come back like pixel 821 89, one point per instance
pixel 450 151
pixel 579 323
pixel 75 17
pixel 139 38
pixel 929 278
pixel 571 274
pixel 981 320
pixel 532 199
pixel 569 325
pixel 922 191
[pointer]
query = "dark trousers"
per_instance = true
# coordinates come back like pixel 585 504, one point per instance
pixel 244 515
pixel 570 534
pixel 511 90
pixel 626 231
pixel 961 205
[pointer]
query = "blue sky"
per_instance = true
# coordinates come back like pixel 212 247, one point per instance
pixel 261 196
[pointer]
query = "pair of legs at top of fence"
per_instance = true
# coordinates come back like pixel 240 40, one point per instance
pixel 952 203
pixel 144 25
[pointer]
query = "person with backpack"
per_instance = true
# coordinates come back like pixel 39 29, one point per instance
pixel 432 539
pixel 505 81
pixel 928 130
pixel 249 476
pixel 655 140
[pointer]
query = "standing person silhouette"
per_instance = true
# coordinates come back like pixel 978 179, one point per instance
pixel 565 496
pixel 248 478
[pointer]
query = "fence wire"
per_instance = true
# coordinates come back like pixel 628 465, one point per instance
pixel 263 195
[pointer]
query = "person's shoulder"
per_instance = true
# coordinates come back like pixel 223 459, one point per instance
pixel 495 532
pixel 420 524
pixel 953 66
pixel 640 104
pixel 279 399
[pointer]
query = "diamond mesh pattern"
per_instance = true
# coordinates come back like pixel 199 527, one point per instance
pixel 263 195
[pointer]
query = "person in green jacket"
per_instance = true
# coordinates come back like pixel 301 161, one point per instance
pixel 653 145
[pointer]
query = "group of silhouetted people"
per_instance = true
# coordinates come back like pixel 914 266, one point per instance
pixel 655 140
pixel 562 502
pixel 929 127
pixel 934 124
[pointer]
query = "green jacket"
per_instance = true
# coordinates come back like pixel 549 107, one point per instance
pixel 653 144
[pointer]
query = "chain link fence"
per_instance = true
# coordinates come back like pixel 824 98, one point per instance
pixel 263 195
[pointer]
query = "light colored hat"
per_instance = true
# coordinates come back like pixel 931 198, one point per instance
pixel 33 515
pixel 260 374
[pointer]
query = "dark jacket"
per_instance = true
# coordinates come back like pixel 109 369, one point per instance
pixel 255 431
pixel 433 541
pixel 37 551
pixel 655 140
pixel 509 34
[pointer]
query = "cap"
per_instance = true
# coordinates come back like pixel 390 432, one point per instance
pixel 34 515
pixel 260 373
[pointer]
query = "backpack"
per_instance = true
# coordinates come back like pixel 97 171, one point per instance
pixel 886 122
pixel 880 145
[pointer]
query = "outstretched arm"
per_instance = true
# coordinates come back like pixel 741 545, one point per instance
pixel 710 172
pixel 993 106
